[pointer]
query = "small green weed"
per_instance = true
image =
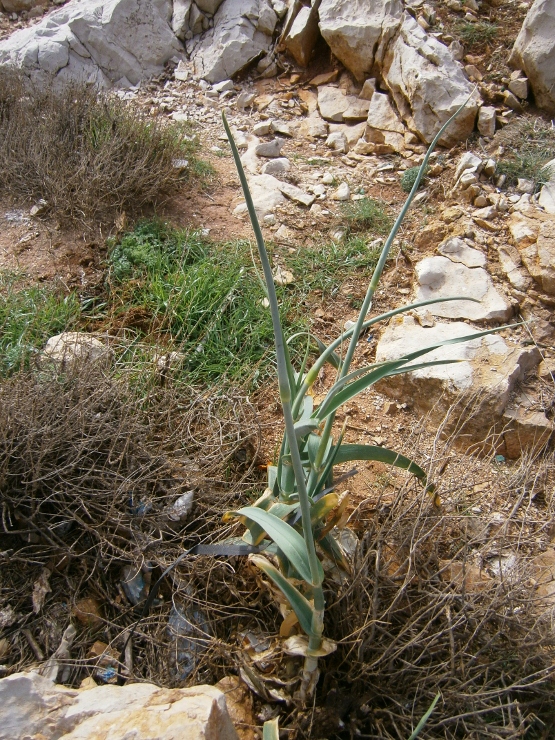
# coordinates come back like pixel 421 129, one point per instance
pixel 529 145
pixel 28 317
pixel 481 32
pixel 408 178
pixel 367 214
pixel 325 267
pixel 199 298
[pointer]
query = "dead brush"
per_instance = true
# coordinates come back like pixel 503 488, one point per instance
pixel 88 155
pixel 89 470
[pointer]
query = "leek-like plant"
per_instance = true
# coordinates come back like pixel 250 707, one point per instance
pixel 294 520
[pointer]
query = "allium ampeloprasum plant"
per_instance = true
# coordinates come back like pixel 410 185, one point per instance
pixel 294 520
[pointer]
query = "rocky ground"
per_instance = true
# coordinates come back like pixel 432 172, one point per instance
pixel 316 138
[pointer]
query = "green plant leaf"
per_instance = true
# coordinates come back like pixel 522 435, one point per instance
pixel 299 604
pixel 286 538
pixel 270 730
pixel 351 452
pixel 304 426
pixel 425 718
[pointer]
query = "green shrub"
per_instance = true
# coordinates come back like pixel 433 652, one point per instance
pixel 88 155
pixel 408 178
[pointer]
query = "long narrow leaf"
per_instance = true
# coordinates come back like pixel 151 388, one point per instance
pixel 352 452
pixel 299 604
pixel 425 718
pixel 285 537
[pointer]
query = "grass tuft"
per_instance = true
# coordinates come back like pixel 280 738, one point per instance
pixel 482 32
pixel 28 317
pixel 199 298
pixel 529 144
pixel 367 214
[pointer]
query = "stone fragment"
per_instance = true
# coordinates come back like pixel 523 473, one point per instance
pixel 522 231
pixel 240 34
pixel 486 121
pixel 467 163
pixel 332 102
pixel 512 102
pixel 357 109
pixel 266 194
pixel 35 707
pixel 303 35
pixel 277 166
pixel 511 264
pixel 534 52
pixel 458 251
pixel 519 87
pixel 269 149
pixel 547 193
pixel 262 128
pixel 358 32
pixel 439 277
pixel 72 348
pixel 539 258
pixel 476 390
pixel 314 126
pixel 95 42
pixel 296 194
pixel 325 78
pixel 342 193
pixel 337 141
pixel 427 85
pixel 223 86
pixel 384 130
pixel 525 428
pixel 368 89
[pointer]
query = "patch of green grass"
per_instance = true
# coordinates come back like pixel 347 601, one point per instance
pixel 367 214
pixel 28 317
pixel 529 144
pixel 481 32
pixel 198 298
pixel 326 267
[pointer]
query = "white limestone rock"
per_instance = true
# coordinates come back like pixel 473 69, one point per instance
pixel 73 348
pixel 534 52
pixel 34 708
pixel 103 42
pixel 428 85
pixel 476 389
pixel 240 35
pixel 358 31
pixel 457 250
pixel 439 277
pixel 332 102
pixel 303 35
pixel 384 130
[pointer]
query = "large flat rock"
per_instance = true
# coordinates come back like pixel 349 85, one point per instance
pixel 478 387
pixel 440 277
pixel 103 42
pixel 34 708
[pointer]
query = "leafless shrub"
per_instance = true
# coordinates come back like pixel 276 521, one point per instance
pixel 89 468
pixel 89 156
